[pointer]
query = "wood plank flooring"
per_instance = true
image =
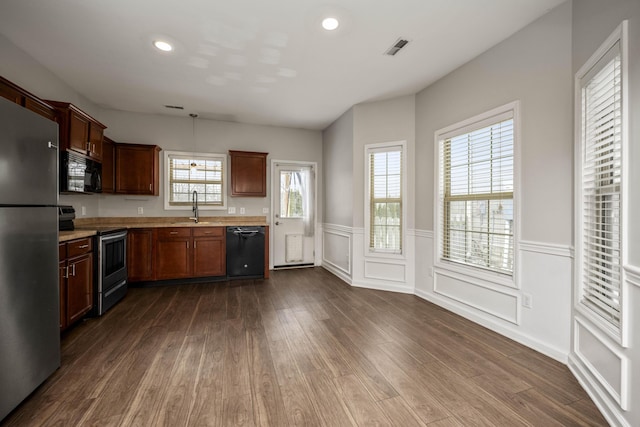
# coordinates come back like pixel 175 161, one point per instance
pixel 300 349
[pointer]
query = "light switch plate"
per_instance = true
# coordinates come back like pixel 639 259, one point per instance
pixel 265 210
pixel 140 210
pixel 242 211
pixel 232 210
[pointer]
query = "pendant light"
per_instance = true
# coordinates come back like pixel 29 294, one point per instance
pixel 193 165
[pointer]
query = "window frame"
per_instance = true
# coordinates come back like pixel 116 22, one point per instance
pixel 482 120
pixel 619 334
pixel 188 154
pixel 380 147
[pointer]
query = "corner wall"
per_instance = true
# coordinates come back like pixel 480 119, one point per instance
pixel 607 370
pixel 534 67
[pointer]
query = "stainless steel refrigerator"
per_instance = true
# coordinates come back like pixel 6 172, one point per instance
pixel 29 292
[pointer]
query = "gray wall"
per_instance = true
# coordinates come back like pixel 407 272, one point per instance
pixel 593 22
pixel 533 66
pixel 337 152
pixel 376 122
pixel 176 133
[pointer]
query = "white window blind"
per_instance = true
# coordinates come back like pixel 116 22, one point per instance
pixel 201 173
pixel 601 91
pixel 476 195
pixel 385 199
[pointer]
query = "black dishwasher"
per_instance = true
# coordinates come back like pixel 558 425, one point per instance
pixel 245 251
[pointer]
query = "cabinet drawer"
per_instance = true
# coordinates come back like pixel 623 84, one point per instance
pixel 79 247
pixel 208 231
pixel 62 251
pixel 170 233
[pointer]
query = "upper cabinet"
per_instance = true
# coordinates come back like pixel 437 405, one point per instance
pixel 248 174
pixel 108 165
pixel 137 169
pixel 79 131
pixel 15 93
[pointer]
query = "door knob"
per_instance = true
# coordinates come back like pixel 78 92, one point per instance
pixel 277 222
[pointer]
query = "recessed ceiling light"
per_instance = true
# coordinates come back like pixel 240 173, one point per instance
pixel 162 45
pixel 330 24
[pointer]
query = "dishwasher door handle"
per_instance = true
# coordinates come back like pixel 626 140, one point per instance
pixel 245 233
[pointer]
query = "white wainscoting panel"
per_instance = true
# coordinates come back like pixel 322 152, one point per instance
pixel 337 250
pixel 603 360
pixel 501 303
pixel 385 270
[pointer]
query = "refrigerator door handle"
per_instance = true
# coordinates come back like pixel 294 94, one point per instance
pixel 52 145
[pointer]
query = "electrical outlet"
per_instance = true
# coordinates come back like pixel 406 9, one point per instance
pixel 242 211
pixel 83 210
pixel 265 210
pixel 527 301
pixel 140 210
pixel 232 210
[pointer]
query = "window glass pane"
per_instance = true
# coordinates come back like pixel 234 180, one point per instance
pixel 386 200
pixel 189 174
pixel 477 197
pixel 291 194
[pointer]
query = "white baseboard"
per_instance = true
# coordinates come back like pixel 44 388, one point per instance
pixel 384 287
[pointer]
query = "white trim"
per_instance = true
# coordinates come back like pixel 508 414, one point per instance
pixel 510 110
pixel 425 234
pixel 314 168
pixel 622 398
pixel 383 287
pixel 506 330
pixel 547 248
pixel 201 206
pixel 475 273
pixel 632 275
pixel 343 231
pixel 621 334
pixel 338 272
pixel 375 261
pixel 380 147
pixel 610 412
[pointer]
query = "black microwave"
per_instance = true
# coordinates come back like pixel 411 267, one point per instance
pixel 79 174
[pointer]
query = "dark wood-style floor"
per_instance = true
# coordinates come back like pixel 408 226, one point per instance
pixel 302 348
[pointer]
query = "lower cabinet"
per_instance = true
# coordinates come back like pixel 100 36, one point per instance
pixel 140 254
pixel 207 241
pixel 76 280
pixel 167 253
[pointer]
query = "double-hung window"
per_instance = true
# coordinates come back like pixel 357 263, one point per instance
pixel 187 173
pixel 601 138
pixel 385 197
pixel 476 220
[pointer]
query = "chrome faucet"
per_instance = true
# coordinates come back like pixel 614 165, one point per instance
pixel 195 206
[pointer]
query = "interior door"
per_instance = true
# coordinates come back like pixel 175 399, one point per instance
pixel 294 213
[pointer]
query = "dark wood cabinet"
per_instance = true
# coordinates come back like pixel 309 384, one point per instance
pixel 76 280
pixel 173 253
pixel 209 251
pixel 137 169
pixel 248 174
pixel 140 250
pixel 79 131
pixel 15 93
pixel 108 166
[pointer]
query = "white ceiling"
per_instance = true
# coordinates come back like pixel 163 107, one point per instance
pixel 257 61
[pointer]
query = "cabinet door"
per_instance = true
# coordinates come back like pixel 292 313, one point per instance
pixel 137 169
pixel 95 141
pixel 79 287
pixel 248 174
pixel 173 258
pixel 140 254
pixel 108 166
pixel 78 132
pixel 209 256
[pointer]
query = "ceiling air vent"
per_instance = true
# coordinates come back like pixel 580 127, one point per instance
pixel 395 48
pixel 174 107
